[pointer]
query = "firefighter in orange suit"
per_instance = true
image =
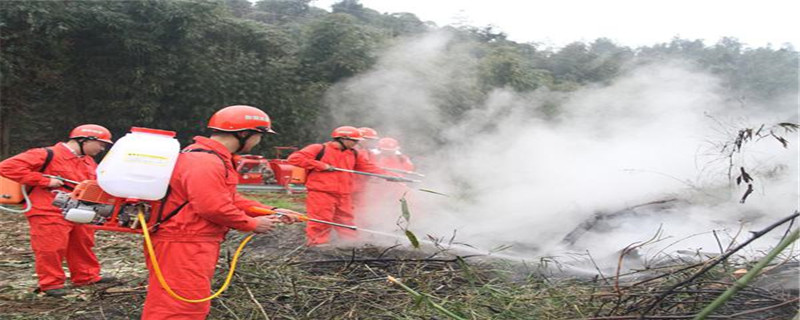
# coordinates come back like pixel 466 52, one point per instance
pixel 383 195
pixel 370 142
pixel 201 206
pixel 329 191
pixel 53 238
pixel 389 155
pixel 366 148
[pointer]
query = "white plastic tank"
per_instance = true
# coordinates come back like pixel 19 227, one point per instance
pixel 139 165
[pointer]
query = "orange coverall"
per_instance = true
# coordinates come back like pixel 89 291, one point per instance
pixel 329 192
pixel 361 184
pixel 54 239
pixel 187 245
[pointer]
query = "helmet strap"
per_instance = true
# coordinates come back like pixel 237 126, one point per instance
pixel 80 146
pixel 243 139
pixel 339 140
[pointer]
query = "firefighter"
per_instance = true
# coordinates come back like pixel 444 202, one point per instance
pixel 370 142
pixel 201 206
pixel 329 191
pixel 54 239
pixel 389 155
pixel 366 148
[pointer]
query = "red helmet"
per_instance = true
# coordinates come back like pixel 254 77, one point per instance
pixel 241 118
pixel 369 133
pixel 347 132
pixel 388 144
pixel 91 132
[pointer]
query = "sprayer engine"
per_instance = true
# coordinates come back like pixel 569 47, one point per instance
pixel 89 204
pixel 79 211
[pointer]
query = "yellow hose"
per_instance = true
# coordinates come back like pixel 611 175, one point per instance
pixel 157 269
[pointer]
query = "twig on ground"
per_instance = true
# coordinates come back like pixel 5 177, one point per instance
pixel 252 297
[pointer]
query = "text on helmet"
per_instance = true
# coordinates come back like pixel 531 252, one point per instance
pixel 249 117
pixel 92 131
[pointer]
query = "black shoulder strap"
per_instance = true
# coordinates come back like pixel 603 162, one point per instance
pixel 171 214
pixel 178 209
pixel 321 153
pixel 47 159
pixel 319 156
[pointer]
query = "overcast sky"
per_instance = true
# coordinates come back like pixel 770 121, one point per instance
pixel 627 22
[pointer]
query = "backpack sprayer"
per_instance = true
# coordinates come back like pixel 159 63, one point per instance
pixel 14 193
pixel 90 204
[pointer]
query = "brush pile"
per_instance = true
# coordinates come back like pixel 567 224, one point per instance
pixel 279 278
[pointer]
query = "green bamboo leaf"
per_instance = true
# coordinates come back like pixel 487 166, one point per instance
pixel 404 208
pixel 411 237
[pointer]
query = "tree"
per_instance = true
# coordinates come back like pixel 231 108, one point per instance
pixel 336 48
pixel 572 63
pixel 505 66
pixel 608 59
pixel 166 64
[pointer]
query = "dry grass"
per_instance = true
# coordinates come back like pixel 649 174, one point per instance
pixel 278 278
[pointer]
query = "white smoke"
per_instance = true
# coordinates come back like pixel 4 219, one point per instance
pixel 520 177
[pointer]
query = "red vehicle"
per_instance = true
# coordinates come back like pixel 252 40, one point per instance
pixel 258 170
pixel 253 169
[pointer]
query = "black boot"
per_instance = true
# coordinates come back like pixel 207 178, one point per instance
pixel 56 293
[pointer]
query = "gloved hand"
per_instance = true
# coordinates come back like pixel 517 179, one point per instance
pixel 329 168
pixel 288 216
pixel 266 223
pixel 55 183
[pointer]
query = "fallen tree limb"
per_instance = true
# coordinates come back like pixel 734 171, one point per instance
pixel 716 261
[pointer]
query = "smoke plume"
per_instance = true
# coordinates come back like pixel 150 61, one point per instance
pixel 524 175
